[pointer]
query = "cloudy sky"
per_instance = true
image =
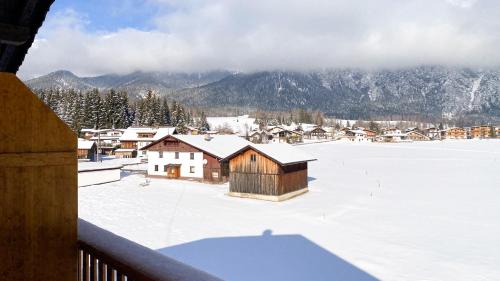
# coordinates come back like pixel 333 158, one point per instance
pixel 95 37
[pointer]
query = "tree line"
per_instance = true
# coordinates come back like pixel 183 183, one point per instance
pixel 114 109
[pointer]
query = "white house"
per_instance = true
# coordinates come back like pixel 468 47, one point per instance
pixel 357 136
pixel 192 156
pixel 107 139
pixel 133 139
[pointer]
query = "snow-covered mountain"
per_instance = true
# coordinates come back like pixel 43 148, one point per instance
pixel 421 91
pixel 432 91
pixel 135 83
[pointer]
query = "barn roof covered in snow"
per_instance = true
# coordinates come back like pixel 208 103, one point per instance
pixel 282 153
pixel 219 146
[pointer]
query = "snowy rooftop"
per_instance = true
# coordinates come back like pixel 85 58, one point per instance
pixel 219 145
pixel 85 144
pixel 131 133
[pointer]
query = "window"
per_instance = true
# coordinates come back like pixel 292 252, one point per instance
pixel 161 154
pixel 156 168
pixel 177 155
pixel 191 169
pixel 191 156
pixel 165 168
pixel 253 157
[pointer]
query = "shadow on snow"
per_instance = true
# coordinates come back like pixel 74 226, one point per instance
pixel 265 258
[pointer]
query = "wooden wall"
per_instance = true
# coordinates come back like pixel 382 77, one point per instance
pixel 38 188
pixel 265 176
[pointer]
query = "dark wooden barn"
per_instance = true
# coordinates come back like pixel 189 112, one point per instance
pixel 274 172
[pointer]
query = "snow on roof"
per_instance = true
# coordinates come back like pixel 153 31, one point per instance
pixel 283 153
pixel 130 134
pixel 219 145
pixel 85 144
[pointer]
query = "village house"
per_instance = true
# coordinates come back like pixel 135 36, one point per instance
pixel 370 134
pixel 195 157
pixel 259 136
pixel 278 134
pixel 87 150
pixel 456 133
pixel 133 139
pixel 393 135
pixel 417 136
pixel 316 133
pixel 107 139
pixel 481 132
pixel 274 172
pixel 433 133
pixel 357 136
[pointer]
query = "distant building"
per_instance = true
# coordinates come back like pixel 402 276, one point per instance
pixel 433 133
pixel 272 172
pixel 87 150
pixel 133 139
pixel 195 157
pixel 416 136
pixel 357 136
pixel 481 132
pixel 260 136
pixel 456 133
pixel 106 139
pixel 316 133
pixel 393 135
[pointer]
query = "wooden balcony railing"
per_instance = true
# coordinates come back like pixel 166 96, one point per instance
pixel 104 256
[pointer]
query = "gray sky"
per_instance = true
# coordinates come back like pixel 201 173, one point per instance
pixel 252 35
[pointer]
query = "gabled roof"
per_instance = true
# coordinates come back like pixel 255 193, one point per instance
pixel 85 144
pixel 282 153
pixel 130 134
pixel 219 146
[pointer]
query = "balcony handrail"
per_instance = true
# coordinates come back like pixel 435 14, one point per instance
pixel 127 258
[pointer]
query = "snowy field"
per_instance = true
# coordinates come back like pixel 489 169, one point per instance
pixel 413 211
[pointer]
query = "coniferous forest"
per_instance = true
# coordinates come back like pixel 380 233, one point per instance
pixel 114 109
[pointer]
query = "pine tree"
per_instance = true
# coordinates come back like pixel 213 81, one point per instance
pixel 204 126
pixel 165 113
pixel 174 114
pixel 181 126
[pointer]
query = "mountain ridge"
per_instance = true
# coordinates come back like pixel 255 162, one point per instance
pixel 426 91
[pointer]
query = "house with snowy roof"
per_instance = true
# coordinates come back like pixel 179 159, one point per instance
pixel 135 138
pixel 106 139
pixel 87 150
pixel 274 172
pixel 195 157
pixel 357 136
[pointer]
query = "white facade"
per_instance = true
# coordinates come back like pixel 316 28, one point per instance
pixel 190 168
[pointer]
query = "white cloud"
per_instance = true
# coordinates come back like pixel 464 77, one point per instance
pixel 198 35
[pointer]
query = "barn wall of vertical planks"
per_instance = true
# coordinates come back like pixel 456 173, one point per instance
pixel 38 188
pixel 253 174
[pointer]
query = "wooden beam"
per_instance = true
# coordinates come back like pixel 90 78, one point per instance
pixel 14 35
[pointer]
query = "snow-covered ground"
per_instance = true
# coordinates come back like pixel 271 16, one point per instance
pixel 408 211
